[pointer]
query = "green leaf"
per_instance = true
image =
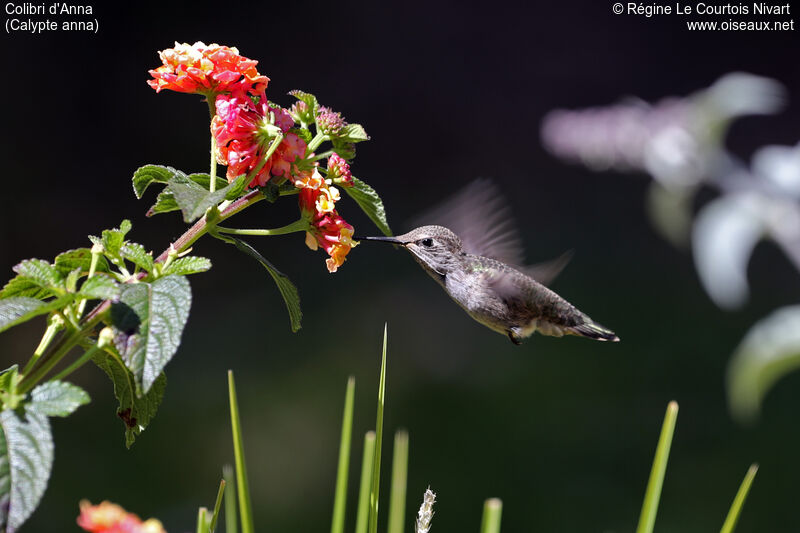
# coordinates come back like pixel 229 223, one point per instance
pixel 353 133
pixel 769 351
pixel 245 502
pixel 194 200
pixel 100 287
pixel 187 265
pixel 303 133
pixel 24 286
pixel 41 273
pixel 57 398
pixel 340 496
pixel 345 149
pixel 205 179
pixel 9 379
pixel 308 98
pixel 165 202
pixel 738 501
pixel 112 240
pixel 136 254
pixel 80 258
pixel 374 493
pixel 148 321
pixel 136 411
pixel 26 459
pixel 19 309
pixel 285 286
pixel 647 518
pixel 369 202
pixel 362 511
pixel 148 174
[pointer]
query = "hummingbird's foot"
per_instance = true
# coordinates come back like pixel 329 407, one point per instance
pixel 514 337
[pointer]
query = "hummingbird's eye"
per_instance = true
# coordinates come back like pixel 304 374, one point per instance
pixel 427 243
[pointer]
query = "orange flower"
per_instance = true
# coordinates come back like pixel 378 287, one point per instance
pixel 109 517
pixel 327 228
pixel 206 69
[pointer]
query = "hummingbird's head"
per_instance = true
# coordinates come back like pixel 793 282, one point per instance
pixel 436 248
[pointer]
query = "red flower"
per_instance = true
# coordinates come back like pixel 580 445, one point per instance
pixel 202 69
pixel 108 517
pixel 327 228
pixel 244 131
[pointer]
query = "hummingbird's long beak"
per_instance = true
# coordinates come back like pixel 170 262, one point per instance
pixel 392 240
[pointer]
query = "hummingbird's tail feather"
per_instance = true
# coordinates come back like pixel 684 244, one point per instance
pixel 595 331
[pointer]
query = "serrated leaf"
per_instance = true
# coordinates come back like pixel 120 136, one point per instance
pixel 345 149
pixel 187 265
pixel 308 98
pixel 148 321
pixel 41 273
pixel 136 254
pixel 148 174
pixel 24 286
pixel 369 202
pixel 194 200
pixel 136 412
pixel 57 398
pixel 71 281
pixel 769 350
pixel 100 287
pixel 26 459
pixel 204 179
pixel 165 202
pixel 112 240
pixel 353 133
pixel 285 285
pixel 79 258
pixel 19 309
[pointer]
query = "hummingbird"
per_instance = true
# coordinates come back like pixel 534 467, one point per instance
pixel 474 252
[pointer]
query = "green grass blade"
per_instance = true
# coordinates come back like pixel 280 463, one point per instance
pixel 397 491
pixel 647 519
pixel 340 499
pixel 202 520
pixel 738 501
pixel 362 517
pixel 217 506
pixel 492 511
pixel 245 507
pixel 230 500
pixel 376 465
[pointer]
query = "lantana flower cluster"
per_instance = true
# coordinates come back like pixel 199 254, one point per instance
pixel 262 140
pixel 109 517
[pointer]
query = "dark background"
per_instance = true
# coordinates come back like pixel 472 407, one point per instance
pixel 563 430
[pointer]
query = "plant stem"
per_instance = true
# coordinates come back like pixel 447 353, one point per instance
pixel 59 351
pixel 96 251
pixel 323 155
pixel 77 363
pixel 492 511
pixel 376 465
pixel 217 506
pixel 318 139
pixel 294 227
pixel 738 501
pixel 230 499
pixel 49 333
pixel 397 489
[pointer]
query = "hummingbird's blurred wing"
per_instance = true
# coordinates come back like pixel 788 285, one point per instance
pixel 547 271
pixel 480 216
